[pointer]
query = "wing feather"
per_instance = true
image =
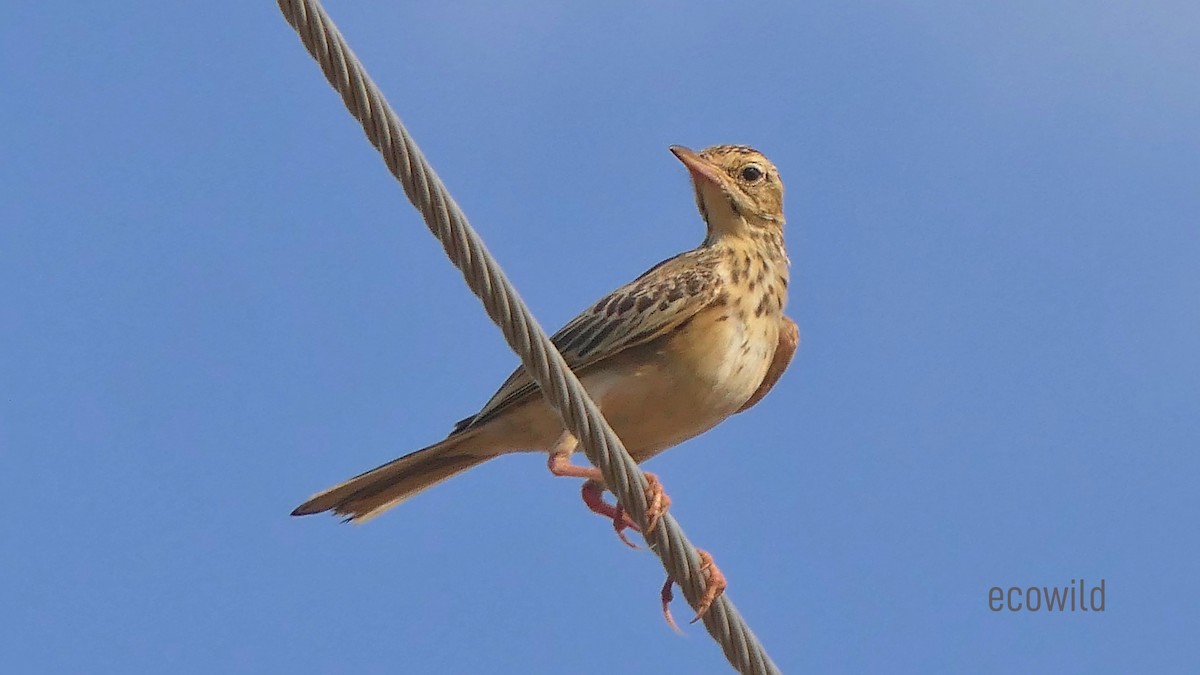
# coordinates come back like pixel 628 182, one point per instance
pixel 659 301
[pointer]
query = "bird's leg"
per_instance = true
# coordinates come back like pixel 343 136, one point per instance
pixel 657 501
pixel 593 487
pixel 714 586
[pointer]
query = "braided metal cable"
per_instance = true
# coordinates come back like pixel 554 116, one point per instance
pixel 522 332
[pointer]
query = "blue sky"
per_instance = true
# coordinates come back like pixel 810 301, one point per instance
pixel 217 302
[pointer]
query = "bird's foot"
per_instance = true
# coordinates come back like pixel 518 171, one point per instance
pixel 714 586
pixel 593 493
pixel 657 502
pixel 593 497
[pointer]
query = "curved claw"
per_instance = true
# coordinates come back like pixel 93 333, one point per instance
pixel 622 522
pixel 667 596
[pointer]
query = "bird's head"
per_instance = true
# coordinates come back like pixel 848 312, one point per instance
pixel 738 190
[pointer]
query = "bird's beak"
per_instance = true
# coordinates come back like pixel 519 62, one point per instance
pixel 700 168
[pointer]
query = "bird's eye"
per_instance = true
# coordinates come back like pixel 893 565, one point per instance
pixel 751 173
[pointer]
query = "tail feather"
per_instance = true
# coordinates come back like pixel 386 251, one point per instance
pixel 370 494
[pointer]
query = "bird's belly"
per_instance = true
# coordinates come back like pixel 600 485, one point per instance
pixel 672 389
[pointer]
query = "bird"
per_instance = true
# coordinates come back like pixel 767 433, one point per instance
pixel 693 340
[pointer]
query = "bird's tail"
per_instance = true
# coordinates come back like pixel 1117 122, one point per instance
pixel 370 494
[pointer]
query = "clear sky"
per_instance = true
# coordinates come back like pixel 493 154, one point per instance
pixel 216 301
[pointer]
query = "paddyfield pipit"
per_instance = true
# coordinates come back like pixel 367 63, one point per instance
pixel 695 339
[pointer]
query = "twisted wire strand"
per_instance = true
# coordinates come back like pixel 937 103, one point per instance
pixel 522 332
